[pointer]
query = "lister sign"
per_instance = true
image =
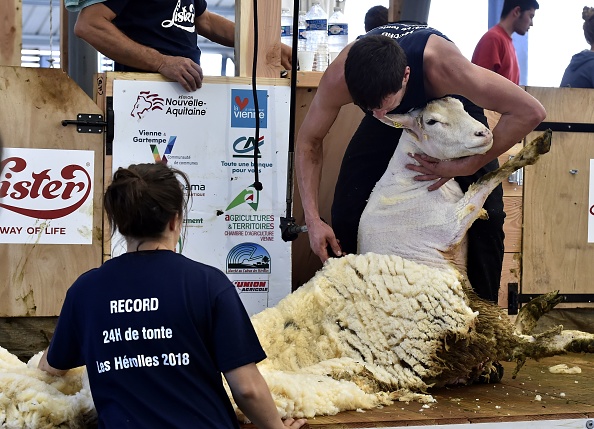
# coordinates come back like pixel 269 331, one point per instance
pixel 46 196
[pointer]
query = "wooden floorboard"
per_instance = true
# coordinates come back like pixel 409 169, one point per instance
pixel 562 396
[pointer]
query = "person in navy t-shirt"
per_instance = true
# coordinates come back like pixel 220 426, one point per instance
pixel 156 35
pixel 156 329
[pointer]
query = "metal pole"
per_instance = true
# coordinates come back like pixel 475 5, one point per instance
pixel 82 59
pixel 415 10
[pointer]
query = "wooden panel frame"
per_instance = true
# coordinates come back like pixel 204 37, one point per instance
pixel 556 254
pixel 33 106
pixel 11 32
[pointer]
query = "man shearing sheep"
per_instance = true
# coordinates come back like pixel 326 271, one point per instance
pixel 394 69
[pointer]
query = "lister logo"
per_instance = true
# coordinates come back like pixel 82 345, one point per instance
pixel 45 194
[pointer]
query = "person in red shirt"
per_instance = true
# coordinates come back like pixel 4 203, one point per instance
pixel 495 51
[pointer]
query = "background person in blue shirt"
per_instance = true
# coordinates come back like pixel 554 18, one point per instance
pixel 580 71
pixel 155 329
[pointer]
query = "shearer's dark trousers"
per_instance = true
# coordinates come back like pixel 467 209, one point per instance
pixel 365 161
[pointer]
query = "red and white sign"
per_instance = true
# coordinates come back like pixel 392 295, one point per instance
pixel 591 204
pixel 46 196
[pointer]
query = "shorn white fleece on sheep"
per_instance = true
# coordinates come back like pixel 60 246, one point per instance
pixel 366 326
pixel 32 399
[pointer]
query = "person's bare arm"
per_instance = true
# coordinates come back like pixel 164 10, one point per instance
pixel 253 397
pixel 286 56
pixel 331 95
pixel 95 26
pixel 447 71
pixel 216 28
pixel 45 366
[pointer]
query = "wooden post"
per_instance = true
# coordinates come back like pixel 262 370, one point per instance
pixel 395 10
pixel 64 15
pixel 269 64
pixel 11 32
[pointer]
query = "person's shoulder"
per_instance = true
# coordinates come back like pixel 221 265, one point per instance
pixel 197 266
pixel 86 279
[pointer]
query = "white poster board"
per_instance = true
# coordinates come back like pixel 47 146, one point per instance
pixel 209 134
pixel 46 196
pixel 591 204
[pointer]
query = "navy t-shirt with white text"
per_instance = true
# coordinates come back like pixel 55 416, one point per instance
pixel 156 330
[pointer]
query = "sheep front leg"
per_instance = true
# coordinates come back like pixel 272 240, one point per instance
pixel 470 207
pixel 527 156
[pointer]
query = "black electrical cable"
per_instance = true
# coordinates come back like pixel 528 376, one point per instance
pixel 289 229
pixel 257 184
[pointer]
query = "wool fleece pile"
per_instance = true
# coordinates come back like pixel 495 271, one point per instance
pixel 32 399
pixel 368 329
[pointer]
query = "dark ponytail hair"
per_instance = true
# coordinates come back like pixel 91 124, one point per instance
pixel 143 198
pixel 588 17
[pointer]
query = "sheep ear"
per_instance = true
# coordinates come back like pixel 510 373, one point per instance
pixel 409 122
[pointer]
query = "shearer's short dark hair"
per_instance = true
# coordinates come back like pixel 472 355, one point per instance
pixel 374 68
pixel 508 5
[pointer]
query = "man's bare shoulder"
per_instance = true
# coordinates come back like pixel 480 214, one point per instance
pixel 439 49
pixel 443 66
pixel 333 89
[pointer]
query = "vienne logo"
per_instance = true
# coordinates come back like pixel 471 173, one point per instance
pixel 243 109
pixel 244 147
pixel 168 150
pixel 183 17
pixel 19 188
pixel 145 102
pixel 249 196
pixel 248 258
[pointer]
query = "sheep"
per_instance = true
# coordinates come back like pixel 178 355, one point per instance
pixel 429 226
pixel 386 325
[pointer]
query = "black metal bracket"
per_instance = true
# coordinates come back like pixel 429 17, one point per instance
pixel 566 127
pixel 512 298
pixel 516 299
pixel 87 123
pixel 109 131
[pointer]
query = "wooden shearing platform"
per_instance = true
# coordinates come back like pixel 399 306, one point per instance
pixel 535 399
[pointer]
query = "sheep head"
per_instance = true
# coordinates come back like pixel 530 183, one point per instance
pixel 443 129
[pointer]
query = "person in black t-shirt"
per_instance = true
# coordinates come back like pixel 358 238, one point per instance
pixel 156 35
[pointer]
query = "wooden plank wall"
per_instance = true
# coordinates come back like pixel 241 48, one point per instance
pixel 35 277
pixel 11 16
pixel 268 61
pixel 556 252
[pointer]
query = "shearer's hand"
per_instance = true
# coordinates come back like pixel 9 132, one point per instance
pixel 320 236
pixel 286 56
pixel 183 70
pixel 442 171
pixel 294 424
